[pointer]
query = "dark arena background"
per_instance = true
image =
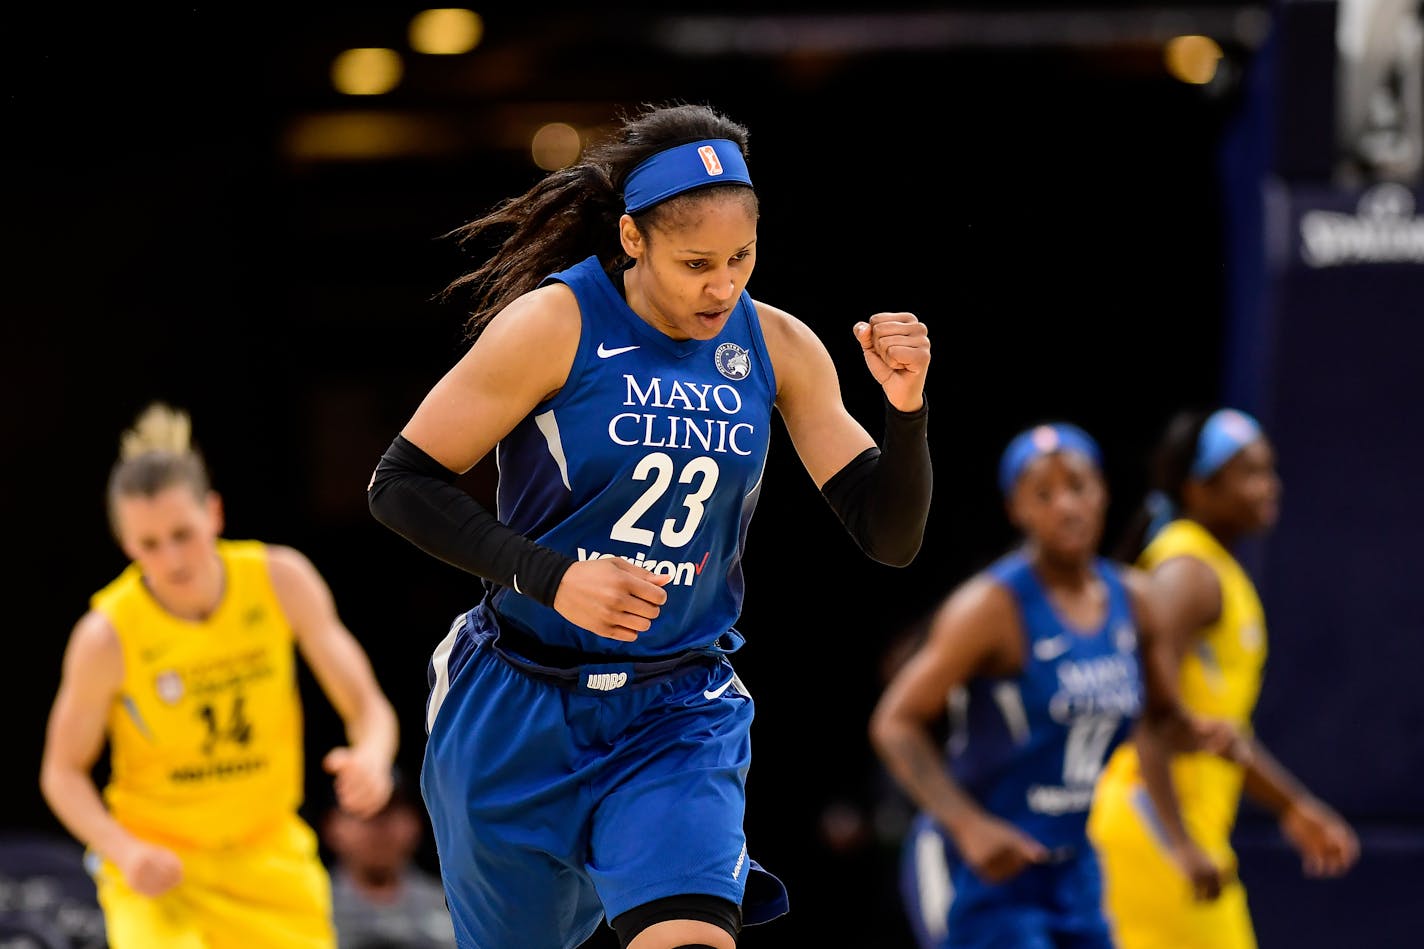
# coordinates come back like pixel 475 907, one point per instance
pixel 1103 213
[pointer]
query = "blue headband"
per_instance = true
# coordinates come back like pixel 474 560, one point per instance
pixel 1043 440
pixel 712 161
pixel 1226 432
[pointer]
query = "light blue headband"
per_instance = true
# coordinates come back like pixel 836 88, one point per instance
pixel 681 168
pixel 1225 432
pixel 1043 440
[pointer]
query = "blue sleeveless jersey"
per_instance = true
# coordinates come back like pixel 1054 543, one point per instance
pixel 652 451
pixel 1029 747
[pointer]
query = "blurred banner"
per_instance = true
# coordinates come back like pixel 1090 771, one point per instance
pixel 1326 324
pixel 1324 228
pixel 1345 606
pixel 47 898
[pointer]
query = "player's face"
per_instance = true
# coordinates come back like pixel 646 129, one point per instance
pixel 172 535
pixel 1059 502
pixel 385 842
pixel 692 269
pixel 1248 489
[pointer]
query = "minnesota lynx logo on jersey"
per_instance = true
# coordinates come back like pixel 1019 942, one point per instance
pixel 733 361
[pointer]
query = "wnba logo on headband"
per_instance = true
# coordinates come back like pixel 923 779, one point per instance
pixel 1224 433
pixel 1045 439
pixel 710 160
pixel 670 172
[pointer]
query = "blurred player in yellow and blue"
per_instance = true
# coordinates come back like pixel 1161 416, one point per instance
pixel 1043 663
pixel 185 663
pixel 1215 483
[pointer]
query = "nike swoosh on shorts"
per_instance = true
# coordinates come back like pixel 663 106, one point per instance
pixel 716 693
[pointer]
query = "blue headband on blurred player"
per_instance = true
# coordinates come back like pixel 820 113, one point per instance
pixel 1043 440
pixel 713 161
pixel 1225 432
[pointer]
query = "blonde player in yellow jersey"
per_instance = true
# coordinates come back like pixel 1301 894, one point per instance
pixel 185 665
pixel 1216 483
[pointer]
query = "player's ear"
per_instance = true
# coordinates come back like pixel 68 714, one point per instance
pixel 630 237
pixel 1011 514
pixel 215 511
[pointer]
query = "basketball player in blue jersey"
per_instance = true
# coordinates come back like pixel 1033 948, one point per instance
pixel 1042 663
pixel 588 741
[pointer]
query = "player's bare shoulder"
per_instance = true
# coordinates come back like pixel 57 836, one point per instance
pixel 1136 580
pixel 793 346
pixel 292 573
pixel 980 601
pixel 980 617
pixel 548 315
pixel 94 650
pixel 530 343
pixel 783 332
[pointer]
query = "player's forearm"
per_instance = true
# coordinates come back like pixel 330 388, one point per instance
pixel 1154 757
pixel 75 800
pixel 883 495
pixel 1269 783
pixel 917 765
pixel 373 730
pixel 414 495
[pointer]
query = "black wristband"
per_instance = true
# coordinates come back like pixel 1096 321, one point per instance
pixel 415 496
pixel 882 495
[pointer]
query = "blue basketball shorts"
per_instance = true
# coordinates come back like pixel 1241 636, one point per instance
pixel 556 804
pixel 1056 905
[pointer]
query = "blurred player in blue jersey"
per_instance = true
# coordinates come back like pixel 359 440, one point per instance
pixel 588 740
pixel 1043 662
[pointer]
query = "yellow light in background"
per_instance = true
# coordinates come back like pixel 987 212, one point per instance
pixel 555 146
pixel 446 31
pixel 368 135
pixel 1193 59
pixel 366 71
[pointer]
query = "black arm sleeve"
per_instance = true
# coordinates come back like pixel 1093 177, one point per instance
pixel 882 495
pixel 415 496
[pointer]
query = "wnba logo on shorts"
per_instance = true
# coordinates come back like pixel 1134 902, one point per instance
pixel 710 161
pixel 607 681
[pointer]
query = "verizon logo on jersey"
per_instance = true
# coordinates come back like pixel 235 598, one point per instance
pixel 682 573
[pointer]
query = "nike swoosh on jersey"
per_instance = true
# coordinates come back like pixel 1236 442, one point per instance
pixel 717 692
pixel 604 352
pixel 154 652
pixel 1052 647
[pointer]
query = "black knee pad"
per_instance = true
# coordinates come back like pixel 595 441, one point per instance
pixel 699 906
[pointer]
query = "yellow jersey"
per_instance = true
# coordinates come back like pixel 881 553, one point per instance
pixel 1220 677
pixel 205 738
pixel 1147 899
